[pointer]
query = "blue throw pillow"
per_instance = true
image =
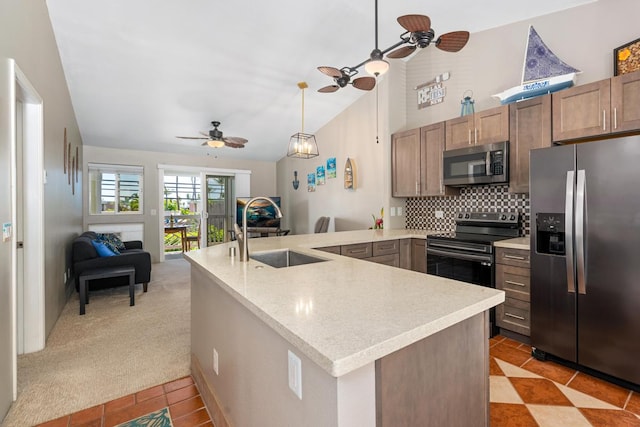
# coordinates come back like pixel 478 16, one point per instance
pixel 112 241
pixel 102 249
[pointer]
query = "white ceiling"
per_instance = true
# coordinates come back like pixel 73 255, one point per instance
pixel 141 72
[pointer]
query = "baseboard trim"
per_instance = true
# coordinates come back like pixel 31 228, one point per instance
pixel 208 395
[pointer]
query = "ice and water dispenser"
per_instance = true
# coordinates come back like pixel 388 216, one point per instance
pixel 550 236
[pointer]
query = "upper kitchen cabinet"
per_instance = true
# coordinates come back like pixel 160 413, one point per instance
pixel 530 128
pixel 405 163
pixel 483 127
pixel 416 162
pixel 599 108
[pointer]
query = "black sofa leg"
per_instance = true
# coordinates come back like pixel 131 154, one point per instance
pixel 144 286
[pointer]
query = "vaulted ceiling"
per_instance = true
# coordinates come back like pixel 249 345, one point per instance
pixel 141 72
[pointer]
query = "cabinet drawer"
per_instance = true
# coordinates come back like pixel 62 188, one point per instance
pixel 514 315
pixel 392 259
pixel 516 257
pixel 386 247
pixel 358 250
pixel 330 249
pixel 515 281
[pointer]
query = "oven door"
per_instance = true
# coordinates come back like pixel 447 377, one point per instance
pixel 465 267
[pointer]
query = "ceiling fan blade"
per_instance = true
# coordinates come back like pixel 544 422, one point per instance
pixel 331 72
pixel 329 89
pixel 453 41
pixel 364 83
pixel 415 23
pixel 191 137
pixel 402 52
pixel 232 144
pixel 235 140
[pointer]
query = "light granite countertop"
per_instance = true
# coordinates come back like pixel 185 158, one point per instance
pixel 517 243
pixel 346 312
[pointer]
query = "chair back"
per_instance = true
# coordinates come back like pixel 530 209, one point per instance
pixel 322 224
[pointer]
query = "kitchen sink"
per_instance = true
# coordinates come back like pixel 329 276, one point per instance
pixel 284 258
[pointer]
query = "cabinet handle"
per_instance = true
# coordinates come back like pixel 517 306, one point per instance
pixel 514 316
pixel 514 283
pixel 357 251
pixel 519 258
pixel 604 120
pixel 469 136
pixel 475 136
pixel 615 118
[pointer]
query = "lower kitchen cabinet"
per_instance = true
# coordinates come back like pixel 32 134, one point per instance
pixel 513 277
pixel 403 253
pixel 418 255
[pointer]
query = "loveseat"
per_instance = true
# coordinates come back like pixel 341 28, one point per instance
pixel 85 257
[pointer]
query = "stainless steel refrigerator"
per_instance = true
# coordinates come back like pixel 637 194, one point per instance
pixel 585 255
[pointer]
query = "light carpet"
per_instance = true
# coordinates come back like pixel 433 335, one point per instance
pixel 112 351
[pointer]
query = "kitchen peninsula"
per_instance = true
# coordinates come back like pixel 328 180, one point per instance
pixel 378 345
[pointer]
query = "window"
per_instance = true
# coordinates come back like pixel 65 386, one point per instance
pixel 115 189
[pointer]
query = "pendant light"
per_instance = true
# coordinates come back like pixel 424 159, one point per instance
pixel 302 145
pixel 376 65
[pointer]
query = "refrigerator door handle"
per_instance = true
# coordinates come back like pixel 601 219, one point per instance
pixel 568 227
pixel 580 243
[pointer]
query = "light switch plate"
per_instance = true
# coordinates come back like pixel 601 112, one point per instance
pixel 439 214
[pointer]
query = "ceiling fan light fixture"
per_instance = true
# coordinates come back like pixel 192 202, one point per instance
pixel 376 66
pixel 215 143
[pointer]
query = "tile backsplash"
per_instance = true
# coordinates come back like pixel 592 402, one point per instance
pixel 421 211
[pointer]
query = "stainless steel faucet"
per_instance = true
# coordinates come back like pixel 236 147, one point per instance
pixel 242 239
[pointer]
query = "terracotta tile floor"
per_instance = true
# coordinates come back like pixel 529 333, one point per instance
pixel 181 396
pixel 526 392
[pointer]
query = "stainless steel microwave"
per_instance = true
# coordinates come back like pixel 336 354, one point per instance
pixel 479 164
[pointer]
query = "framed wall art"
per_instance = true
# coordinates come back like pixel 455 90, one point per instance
pixel 626 58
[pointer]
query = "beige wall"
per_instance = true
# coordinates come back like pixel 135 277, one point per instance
pixel 583 37
pixel 26 36
pixel 263 182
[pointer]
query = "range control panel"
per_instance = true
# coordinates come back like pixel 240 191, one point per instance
pixel 488 217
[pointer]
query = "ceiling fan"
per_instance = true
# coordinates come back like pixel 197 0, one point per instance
pixel 343 77
pixel 215 138
pixel 420 34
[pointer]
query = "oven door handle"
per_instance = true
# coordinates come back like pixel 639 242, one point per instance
pixel 456 247
pixel 467 257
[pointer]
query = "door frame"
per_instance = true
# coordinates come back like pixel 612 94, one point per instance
pixel 242 183
pixel 34 176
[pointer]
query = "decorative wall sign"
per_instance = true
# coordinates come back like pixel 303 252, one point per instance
pixel 77 164
pixel 65 151
pixel 320 175
pixel 433 92
pixel 626 58
pixel 69 164
pixel 295 181
pixel 311 182
pixel 331 167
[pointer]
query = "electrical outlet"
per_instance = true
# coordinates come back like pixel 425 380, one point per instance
pixel 399 209
pixel 439 214
pixel 215 361
pixel 392 211
pixel 295 374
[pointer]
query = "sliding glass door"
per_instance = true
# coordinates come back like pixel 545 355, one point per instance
pixel 219 205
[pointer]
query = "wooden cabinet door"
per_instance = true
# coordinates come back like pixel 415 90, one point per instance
pixel 582 111
pixel 491 125
pixel 458 132
pixel 431 148
pixel 418 255
pixel 405 163
pixel 625 102
pixel 530 128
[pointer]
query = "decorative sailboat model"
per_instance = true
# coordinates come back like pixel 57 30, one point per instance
pixel 543 72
